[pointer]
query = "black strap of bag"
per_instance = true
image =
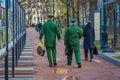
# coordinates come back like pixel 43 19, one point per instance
pixel 95 51
pixel 67 51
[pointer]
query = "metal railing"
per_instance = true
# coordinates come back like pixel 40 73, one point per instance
pixel 17 44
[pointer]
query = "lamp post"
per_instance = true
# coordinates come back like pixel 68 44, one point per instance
pixel 67 5
pixel 104 35
pixel 6 57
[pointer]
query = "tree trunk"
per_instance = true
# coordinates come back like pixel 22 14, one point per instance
pixel 73 13
pixel 78 12
pixel 92 5
pixel 73 9
pixel 91 14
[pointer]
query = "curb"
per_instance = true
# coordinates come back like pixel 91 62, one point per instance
pixel 111 59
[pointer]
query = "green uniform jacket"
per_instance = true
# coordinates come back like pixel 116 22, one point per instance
pixel 72 36
pixel 50 30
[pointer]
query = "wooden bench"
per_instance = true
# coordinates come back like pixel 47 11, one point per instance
pixel 27 70
pixel 23 63
pixel 27 50
pixel 18 78
pixel 26 57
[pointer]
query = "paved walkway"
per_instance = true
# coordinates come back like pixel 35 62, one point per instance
pixel 100 69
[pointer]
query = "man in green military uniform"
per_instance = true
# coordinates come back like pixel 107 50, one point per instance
pixel 50 30
pixel 72 42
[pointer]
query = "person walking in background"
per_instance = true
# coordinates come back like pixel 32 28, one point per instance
pixel 39 26
pixel 72 42
pixel 27 25
pixel 50 30
pixel 89 38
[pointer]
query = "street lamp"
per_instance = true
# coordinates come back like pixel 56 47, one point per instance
pixel 67 5
pixel 104 35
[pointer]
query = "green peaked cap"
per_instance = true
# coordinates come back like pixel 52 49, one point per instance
pixel 73 20
pixel 50 15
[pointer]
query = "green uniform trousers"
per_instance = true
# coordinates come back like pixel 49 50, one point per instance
pixel 51 55
pixel 77 55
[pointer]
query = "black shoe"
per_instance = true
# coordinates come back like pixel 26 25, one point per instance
pixel 55 64
pixel 79 65
pixel 85 59
pixel 68 64
pixel 50 65
pixel 91 60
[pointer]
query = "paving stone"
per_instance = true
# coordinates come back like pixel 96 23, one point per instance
pixel 71 78
pixel 103 70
